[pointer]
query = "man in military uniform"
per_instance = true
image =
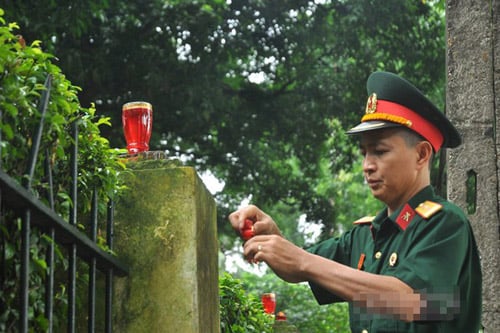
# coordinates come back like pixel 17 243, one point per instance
pixel 412 268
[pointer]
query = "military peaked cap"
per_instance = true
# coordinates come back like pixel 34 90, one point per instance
pixel 393 101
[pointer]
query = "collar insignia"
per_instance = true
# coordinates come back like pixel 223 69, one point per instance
pixel 404 218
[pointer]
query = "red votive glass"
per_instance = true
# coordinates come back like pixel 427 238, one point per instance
pixel 269 302
pixel 137 120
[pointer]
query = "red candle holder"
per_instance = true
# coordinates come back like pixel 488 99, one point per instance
pixel 269 302
pixel 137 120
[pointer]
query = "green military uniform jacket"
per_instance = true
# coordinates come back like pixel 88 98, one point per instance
pixel 428 244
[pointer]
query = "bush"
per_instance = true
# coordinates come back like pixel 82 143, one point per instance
pixel 23 71
pixel 240 312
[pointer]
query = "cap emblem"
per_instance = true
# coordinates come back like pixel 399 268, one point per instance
pixel 371 104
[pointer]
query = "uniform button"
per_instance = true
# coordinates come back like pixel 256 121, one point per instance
pixel 378 255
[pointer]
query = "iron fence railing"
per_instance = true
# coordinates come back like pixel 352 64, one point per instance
pixel 33 213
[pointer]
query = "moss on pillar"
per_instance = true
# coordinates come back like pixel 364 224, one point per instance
pixel 165 230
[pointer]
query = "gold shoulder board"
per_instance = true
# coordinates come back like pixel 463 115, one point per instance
pixel 364 220
pixel 428 208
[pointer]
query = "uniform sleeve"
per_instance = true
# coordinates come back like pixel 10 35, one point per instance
pixel 339 250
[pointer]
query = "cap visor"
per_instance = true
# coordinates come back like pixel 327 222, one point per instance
pixel 371 126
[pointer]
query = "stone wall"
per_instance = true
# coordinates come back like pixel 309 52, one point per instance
pixel 473 100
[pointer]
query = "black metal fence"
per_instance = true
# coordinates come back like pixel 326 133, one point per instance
pixel 20 200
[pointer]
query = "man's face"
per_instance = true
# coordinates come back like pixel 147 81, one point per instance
pixel 389 166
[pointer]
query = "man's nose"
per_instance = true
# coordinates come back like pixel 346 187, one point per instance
pixel 368 164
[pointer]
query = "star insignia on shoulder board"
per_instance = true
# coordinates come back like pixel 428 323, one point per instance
pixel 364 220
pixel 428 208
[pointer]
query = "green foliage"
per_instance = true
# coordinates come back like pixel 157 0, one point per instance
pixel 195 61
pixel 239 311
pixel 23 71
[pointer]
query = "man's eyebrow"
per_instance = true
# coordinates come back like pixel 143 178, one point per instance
pixel 369 144
pixel 377 143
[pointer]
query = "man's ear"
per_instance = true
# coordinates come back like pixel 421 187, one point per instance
pixel 424 151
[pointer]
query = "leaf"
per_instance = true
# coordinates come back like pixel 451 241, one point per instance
pixel 40 263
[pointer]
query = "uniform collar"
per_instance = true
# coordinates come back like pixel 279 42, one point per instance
pixel 403 216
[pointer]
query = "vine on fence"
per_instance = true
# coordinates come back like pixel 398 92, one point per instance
pixel 24 67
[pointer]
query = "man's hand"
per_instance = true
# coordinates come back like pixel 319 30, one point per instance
pixel 264 242
pixel 282 256
pixel 263 224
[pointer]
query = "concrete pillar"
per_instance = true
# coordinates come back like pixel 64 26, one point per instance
pixel 165 230
pixel 473 100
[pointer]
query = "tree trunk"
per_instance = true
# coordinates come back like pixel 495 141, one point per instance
pixel 472 101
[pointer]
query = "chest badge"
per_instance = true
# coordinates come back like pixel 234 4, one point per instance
pixel 393 259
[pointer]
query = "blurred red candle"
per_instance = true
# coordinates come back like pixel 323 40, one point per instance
pixel 269 302
pixel 137 119
pixel 281 316
pixel 247 231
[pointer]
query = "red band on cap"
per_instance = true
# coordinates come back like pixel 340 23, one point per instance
pixel 397 113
